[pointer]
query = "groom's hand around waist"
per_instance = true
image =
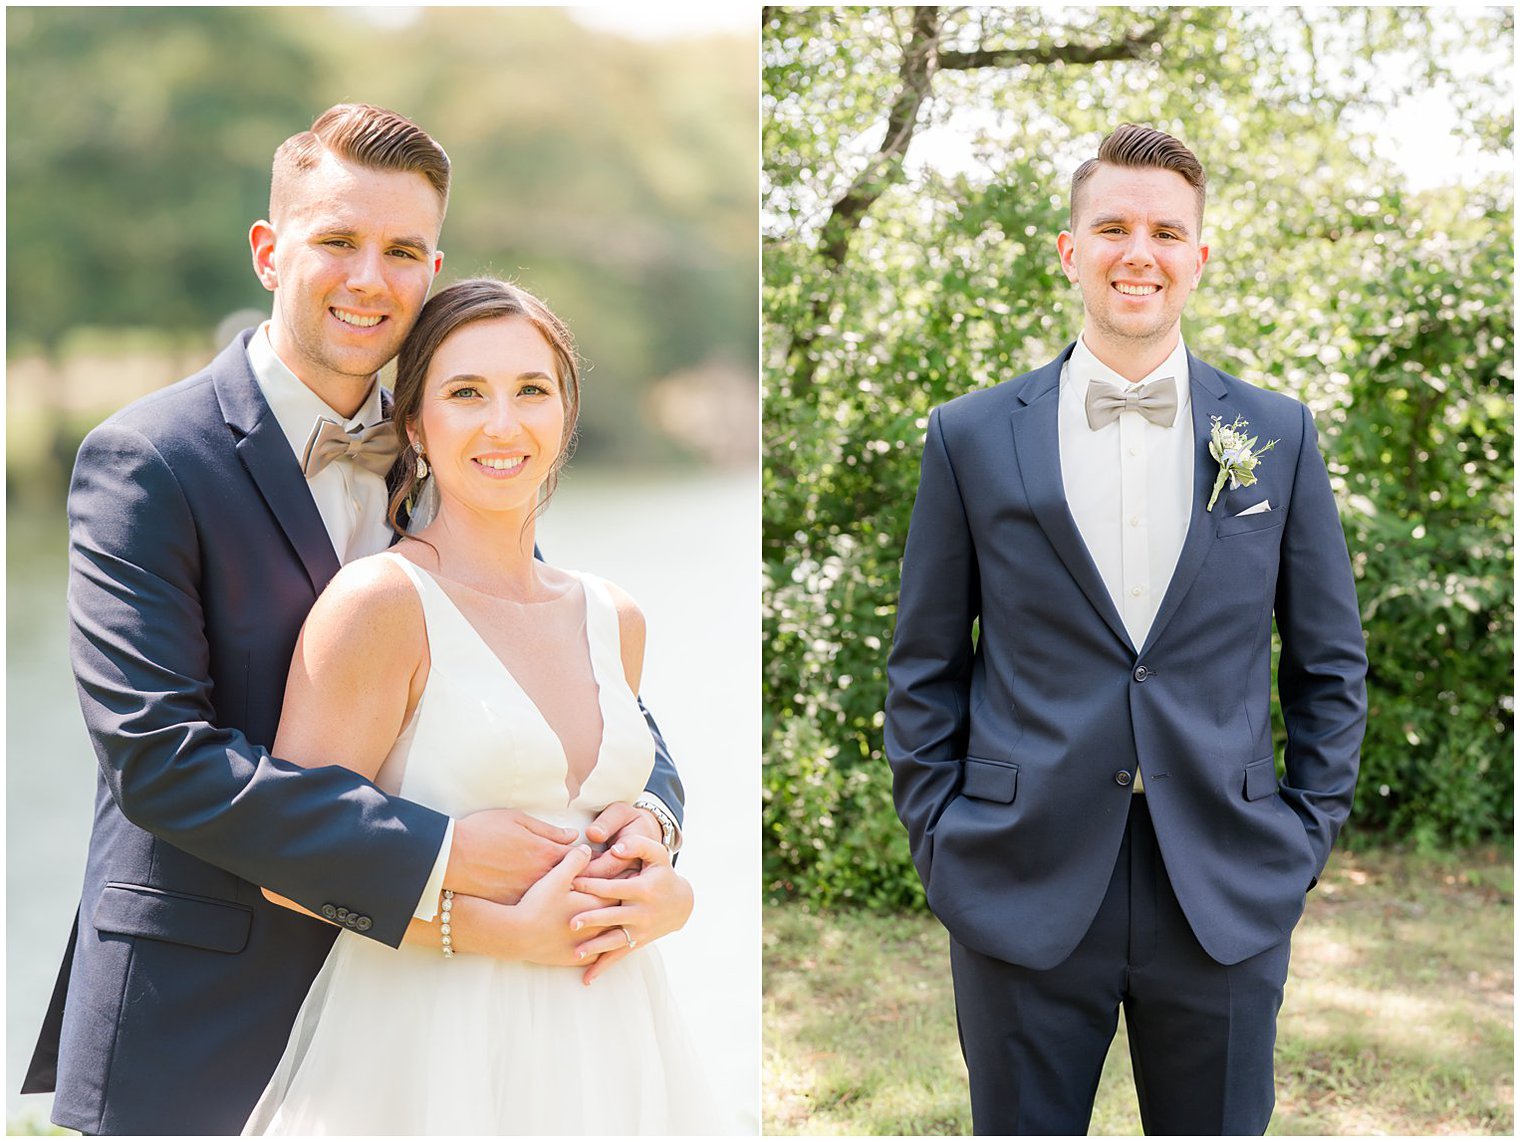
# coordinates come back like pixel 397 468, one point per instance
pixel 498 854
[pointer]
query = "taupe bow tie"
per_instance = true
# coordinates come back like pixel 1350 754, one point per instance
pixel 373 448
pixel 1156 401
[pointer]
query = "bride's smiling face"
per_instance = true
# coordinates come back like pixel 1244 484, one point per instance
pixel 492 418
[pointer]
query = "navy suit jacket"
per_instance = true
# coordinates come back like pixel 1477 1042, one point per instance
pixel 1012 751
pixel 195 553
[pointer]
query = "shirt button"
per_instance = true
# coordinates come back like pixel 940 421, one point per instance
pixel 1134 521
pixel 1137 591
pixel 1134 451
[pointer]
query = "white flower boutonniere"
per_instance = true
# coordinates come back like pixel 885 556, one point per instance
pixel 1237 455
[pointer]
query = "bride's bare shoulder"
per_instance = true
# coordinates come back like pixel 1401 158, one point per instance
pixel 631 633
pixel 370 601
pixel 357 670
pixel 629 613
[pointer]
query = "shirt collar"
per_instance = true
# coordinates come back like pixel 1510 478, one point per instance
pixel 295 406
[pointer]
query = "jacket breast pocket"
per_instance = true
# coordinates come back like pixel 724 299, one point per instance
pixel 989 780
pixel 1260 521
pixel 176 917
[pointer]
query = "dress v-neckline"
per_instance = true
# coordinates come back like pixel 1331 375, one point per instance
pixel 596 674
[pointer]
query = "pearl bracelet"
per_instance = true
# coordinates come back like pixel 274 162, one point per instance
pixel 446 927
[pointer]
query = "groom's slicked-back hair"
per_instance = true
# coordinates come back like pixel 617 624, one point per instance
pixel 366 135
pixel 1135 146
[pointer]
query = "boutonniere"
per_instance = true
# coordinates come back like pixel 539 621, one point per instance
pixel 1237 455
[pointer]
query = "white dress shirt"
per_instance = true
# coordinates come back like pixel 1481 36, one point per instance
pixel 351 500
pixel 1129 486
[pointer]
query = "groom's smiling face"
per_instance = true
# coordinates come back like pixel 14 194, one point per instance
pixel 1134 251
pixel 349 256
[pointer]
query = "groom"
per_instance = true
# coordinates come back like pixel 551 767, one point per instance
pixel 1078 717
pixel 198 541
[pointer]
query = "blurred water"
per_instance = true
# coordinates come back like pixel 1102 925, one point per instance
pixel 686 547
pixel 49 786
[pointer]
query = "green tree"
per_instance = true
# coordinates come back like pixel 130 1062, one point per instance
pixel 138 146
pixel 892 284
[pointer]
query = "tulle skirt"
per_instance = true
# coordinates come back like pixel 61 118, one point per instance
pixel 405 1041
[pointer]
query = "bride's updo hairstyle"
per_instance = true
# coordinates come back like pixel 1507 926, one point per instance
pixel 461 304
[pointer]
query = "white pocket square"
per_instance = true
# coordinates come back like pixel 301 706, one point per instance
pixel 1257 509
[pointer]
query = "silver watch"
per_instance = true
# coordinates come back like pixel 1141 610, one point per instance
pixel 667 822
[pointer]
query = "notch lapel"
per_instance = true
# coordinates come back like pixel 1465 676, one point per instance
pixel 1037 452
pixel 1210 398
pixel 265 453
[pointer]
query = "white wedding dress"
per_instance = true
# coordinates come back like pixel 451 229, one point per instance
pixel 405 1041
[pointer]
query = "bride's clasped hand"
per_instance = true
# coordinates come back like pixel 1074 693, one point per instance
pixel 590 910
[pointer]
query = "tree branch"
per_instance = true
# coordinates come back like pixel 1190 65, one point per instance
pixel 915 74
pixel 1136 45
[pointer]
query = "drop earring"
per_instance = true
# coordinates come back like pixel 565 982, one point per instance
pixel 423 502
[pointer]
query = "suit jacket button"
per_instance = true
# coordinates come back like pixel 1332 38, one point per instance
pixel 1123 777
pixel 343 914
pixel 329 911
pixel 1141 674
pixel 364 923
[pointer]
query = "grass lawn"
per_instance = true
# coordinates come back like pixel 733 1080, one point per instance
pixel 1399 1015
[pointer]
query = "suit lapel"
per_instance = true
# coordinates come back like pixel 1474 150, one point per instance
pixel 1037 453
pixel 262 448
pixel 1210 398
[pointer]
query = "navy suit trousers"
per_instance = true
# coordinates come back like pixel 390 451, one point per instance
pixel 1201 1033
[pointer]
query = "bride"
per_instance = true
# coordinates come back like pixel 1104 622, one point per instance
pixel 457 670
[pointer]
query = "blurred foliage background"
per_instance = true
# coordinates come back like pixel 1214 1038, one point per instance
pixel 138 150
pixel 916 164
